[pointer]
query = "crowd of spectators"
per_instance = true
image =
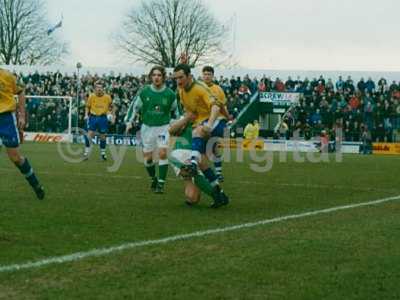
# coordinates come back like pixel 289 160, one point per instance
pixel 353 107
pixel 52 115
pixel 324 104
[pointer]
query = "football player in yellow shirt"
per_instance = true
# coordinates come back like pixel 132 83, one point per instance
pixel 251 131
pixel 218 92
pixel 10 128
pixel 197 99
pixel 98 108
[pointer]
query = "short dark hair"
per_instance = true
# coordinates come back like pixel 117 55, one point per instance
pixel 183 67
pixel 208 69
pixel 158 68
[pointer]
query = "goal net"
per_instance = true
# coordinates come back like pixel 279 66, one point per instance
pixel 50 118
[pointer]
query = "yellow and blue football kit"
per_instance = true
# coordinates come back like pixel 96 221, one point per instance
pixel 98 107
pixel 9 133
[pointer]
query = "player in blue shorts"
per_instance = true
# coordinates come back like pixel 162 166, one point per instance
pixel 98 107
pixel 222 119
pixel 10 128
pixel 197 99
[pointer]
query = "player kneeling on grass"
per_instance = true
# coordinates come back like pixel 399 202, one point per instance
pixel 155 104
pixel 180 158
pixel 98 110
pixel 10 131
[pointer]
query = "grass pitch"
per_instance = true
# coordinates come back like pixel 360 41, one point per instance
pixel 348 254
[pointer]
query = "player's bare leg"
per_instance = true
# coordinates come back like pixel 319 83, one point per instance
pixel 192 193
pixel 180 159
pixel 23 165
pixel 198 183
pixel 198 148
pixel 151 169
pixel 200 161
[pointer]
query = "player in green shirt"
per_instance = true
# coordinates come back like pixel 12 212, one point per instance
pixel 180 159
pixel 155 103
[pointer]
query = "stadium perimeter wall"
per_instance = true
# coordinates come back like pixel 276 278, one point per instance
pixel 262 144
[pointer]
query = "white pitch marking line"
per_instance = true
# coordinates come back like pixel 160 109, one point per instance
pixel 104 251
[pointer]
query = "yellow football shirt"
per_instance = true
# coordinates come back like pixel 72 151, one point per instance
pixel 99 105
pixel 8 88
pixel 251 131
pixel 218 92
pixel 197 99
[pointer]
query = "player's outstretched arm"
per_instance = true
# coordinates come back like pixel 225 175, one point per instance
pixel 215 109
pixel 224 111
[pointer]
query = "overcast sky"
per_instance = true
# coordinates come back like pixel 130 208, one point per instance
pixel 271 34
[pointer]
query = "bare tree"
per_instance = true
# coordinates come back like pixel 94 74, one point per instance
pixel 160 31
pixel 23 34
